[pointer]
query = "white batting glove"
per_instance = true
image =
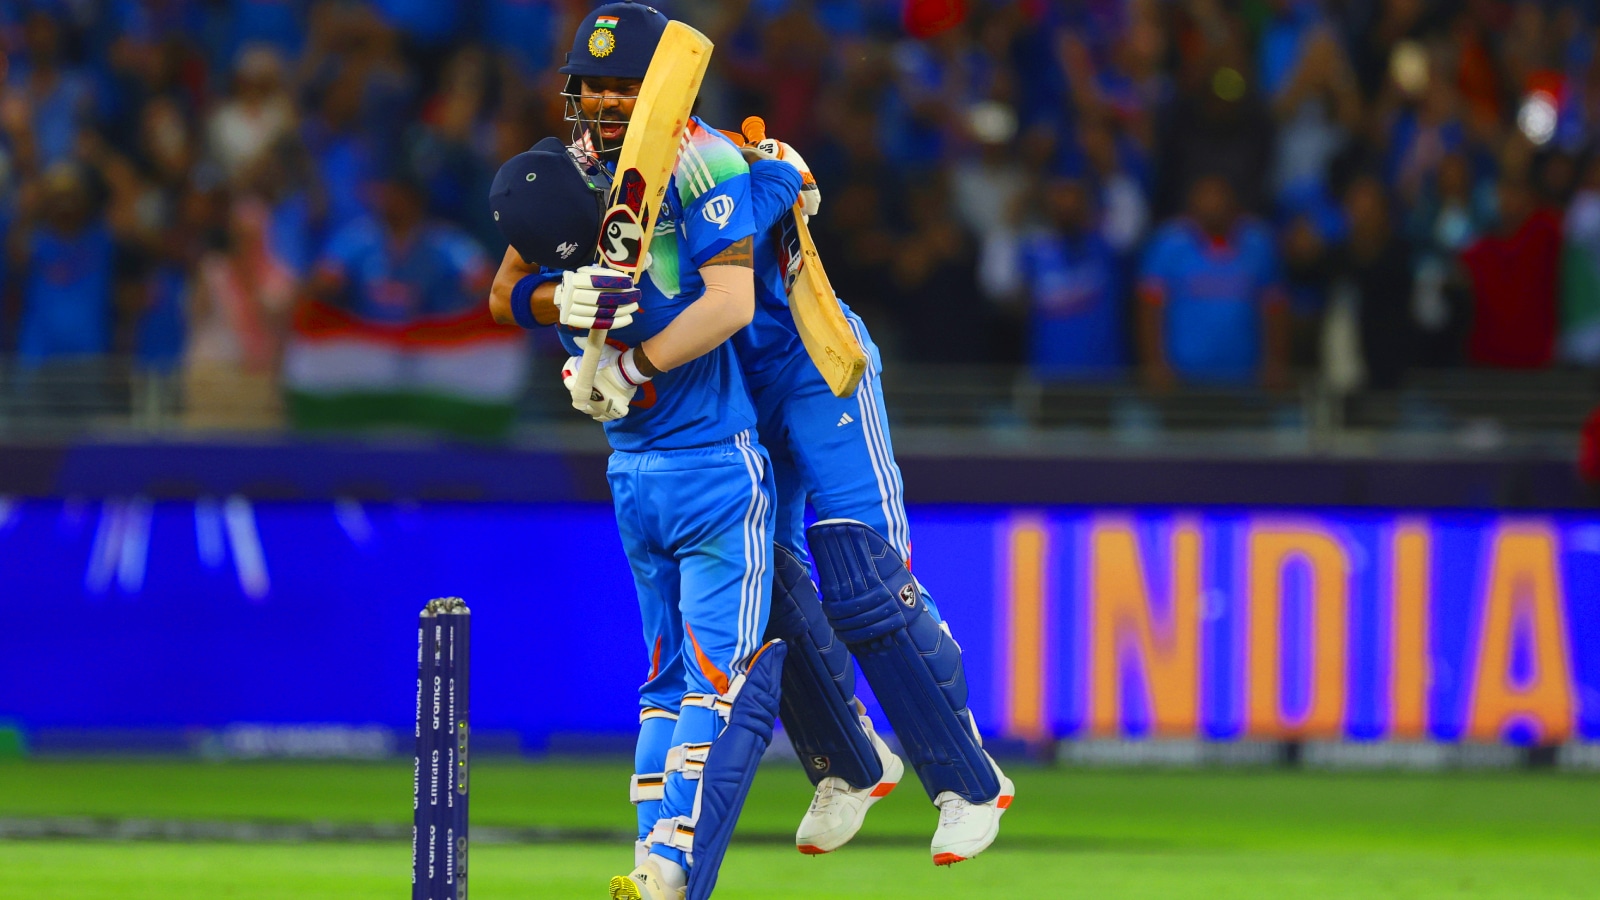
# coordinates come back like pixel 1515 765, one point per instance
pixel 771 148
pixel 596 297
pixel 615 382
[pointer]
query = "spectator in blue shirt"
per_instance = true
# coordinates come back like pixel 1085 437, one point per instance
pixel 58 99
pixel 65 264
pixel 1074 289
pixel 1211 308
pixel 399 266
pixel 343 156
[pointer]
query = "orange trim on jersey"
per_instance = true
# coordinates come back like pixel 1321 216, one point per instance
pixel 655 660
pixel 718 679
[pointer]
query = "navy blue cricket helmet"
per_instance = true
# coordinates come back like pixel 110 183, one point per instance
pixel 615 41
pixel 547 203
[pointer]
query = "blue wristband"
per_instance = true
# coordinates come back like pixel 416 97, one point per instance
pixel 522 297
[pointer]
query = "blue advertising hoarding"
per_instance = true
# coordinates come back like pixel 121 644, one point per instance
pixel 127 613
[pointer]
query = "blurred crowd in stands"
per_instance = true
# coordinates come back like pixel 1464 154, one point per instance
pixel 1183 191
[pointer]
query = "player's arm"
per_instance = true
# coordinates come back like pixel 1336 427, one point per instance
pixel 719 241
pixel 728 304
pixel 524 285
pixel 759 146
pixel 779 176
pixel 774 190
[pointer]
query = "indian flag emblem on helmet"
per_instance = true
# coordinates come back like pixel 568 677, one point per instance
pixel 602 42
pixel 605 22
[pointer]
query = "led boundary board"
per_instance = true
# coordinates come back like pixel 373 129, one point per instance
pixel 1074 622
pixel 1280 626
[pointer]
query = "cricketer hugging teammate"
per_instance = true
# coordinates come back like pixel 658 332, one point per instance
pixel 722 429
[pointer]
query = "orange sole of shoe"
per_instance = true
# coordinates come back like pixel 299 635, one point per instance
pixel 810 849
pixel 947 859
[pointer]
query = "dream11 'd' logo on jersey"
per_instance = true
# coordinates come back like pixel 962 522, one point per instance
pixel 718 210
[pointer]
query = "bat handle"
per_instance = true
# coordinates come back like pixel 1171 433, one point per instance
pixel 583 382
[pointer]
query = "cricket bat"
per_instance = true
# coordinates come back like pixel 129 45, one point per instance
pixel 649 154
pixel 824 330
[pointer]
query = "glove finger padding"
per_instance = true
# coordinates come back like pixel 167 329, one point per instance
pixel 596 297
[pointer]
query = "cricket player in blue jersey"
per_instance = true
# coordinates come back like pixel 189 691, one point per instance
pixel 691 486
pixel 835 452
pixel 849 474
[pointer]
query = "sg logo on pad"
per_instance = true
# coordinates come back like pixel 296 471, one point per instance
pixel 908 595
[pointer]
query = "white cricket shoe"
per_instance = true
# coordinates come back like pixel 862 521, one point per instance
pixel 645 882
pixel 966 828
pixel 837 809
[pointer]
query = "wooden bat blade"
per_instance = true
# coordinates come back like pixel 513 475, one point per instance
pixel 650 147
pixel 824 330
pixel 644 168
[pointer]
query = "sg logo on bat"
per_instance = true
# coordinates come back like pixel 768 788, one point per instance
pixel 621 235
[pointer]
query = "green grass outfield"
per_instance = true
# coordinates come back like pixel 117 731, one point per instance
pixel 1072 833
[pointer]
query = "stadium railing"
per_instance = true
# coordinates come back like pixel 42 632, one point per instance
pixel 946 409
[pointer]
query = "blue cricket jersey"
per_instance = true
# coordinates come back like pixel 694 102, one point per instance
pixel 771 341
pixel 439 271
pixel 66 294
pixel 1213 294
pixel 1074 303
pixel 707 209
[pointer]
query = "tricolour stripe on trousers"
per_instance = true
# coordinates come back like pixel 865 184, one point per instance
pixel 755 554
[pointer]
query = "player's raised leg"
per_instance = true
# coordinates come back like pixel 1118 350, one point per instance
pixel 850 767
pixel 841 447
pixel 846 459
pixel 915 668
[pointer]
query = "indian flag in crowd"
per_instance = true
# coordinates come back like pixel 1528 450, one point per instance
pixel 1580 281
pixel 460 374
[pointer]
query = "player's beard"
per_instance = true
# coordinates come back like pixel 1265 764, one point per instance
pixel 603 145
